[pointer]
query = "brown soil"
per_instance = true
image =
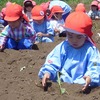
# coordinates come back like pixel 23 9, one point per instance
pixel 19 72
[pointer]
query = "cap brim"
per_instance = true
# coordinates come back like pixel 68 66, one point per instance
pixel 72 31
pixel 75 32
pixel 11 18
pixel 60 11
pixel 37 17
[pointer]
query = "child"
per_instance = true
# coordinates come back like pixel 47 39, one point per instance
pixel 66 8
pixel 76 58
pixel 57 21
pixel 16 35
pixel 44 31
pixel 93 13
pixel 28 5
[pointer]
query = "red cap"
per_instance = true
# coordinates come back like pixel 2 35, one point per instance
pixel 45 5
pixel 3 12
pixel 8 3
pixel 80 7
pixel 94 3
pixel 99 6
pixel 37 13
pixel 79 23
pixel 55 9
pixel 14 12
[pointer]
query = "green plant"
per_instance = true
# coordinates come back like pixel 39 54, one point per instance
pixel 62 90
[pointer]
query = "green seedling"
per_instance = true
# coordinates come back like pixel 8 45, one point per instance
pixel 62 90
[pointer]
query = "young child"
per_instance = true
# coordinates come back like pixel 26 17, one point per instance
pixel 57 21
pixel 77 58
pixel 66 8
pixel 16 35
pixel 93 13
pixel 44 31
pixel 28 5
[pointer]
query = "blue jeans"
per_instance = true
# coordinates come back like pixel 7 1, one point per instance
pixel 21 44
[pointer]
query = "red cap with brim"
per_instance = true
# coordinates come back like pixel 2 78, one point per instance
pixel 13 12
pixel 37 13
pixel 79 23
pixel 55 9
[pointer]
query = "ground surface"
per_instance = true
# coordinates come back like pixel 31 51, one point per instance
pixel 19 70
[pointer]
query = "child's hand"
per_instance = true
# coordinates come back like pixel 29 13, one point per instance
pixel 88 81
pixel 45 78
pixel 1 47
pixel 56 30
pixel 40 34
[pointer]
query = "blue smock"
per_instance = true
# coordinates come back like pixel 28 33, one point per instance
pixel 73 63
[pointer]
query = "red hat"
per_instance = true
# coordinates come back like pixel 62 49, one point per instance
pixel 94 3
pixel 45 5
pixel 14 12
pixel 55 9
pixel 99 6
pixel 3 11
pixel 80 7
pixel 79 23
pixel 37 13
pixel 8 3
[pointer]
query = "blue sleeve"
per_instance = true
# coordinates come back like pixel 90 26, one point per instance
pixel 93 69
pixel 50 30
pixel 1 21
pixel 53 63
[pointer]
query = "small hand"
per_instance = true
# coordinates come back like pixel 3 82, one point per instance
pixel 1 48
pixel 40 34
pixel 45 78
pixel 56 30
pixel 88 81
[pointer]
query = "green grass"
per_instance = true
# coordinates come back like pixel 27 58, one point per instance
pixel 70 2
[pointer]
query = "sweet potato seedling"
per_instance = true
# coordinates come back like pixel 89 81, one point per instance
pixel 62 90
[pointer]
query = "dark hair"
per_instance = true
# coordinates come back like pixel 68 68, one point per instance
pixel 28 4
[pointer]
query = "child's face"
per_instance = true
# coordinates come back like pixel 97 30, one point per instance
pixel 58 16
pixel 14 24
pixel 94 8
pixel 76 40
pixel 29 8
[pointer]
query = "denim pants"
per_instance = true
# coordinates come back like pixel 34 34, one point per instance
pixel 21 44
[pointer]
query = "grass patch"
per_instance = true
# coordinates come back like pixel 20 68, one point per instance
pixel 72 3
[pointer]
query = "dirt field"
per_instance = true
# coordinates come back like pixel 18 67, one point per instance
pixel 19 70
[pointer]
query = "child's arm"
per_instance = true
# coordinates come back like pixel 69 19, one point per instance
pixel 88 81
pixel 45 78
pixel 93 67
pixel 52 65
